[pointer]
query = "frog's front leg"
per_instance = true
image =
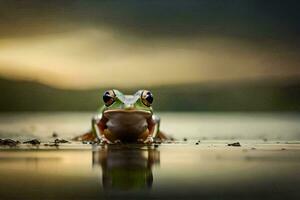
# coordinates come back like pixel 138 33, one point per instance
pixel 98 127
pixel 153 127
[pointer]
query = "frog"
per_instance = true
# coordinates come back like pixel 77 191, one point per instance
pixel 125 119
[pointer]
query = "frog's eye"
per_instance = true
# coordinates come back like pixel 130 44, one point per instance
pixel 109 97
pixel 147 98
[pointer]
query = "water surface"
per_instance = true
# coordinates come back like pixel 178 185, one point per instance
pixel 210 126
pixel 266 166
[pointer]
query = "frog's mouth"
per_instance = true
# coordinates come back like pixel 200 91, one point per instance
pixel 128 112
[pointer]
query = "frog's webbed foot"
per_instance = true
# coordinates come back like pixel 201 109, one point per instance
pixel 149 140
pixel 103 140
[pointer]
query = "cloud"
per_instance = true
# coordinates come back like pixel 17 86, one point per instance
pixel 94 57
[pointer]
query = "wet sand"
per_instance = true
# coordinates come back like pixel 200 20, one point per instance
pixel 210 170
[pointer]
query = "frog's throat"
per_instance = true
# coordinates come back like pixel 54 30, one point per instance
pixel 124 111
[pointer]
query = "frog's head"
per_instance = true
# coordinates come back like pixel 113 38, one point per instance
pixel 116 102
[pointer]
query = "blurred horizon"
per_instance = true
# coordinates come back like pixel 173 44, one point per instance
pixel 264 95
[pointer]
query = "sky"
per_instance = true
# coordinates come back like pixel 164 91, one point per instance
pixel 87 44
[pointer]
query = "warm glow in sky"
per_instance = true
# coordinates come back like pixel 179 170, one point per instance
pixel 106 48
pixel 91 58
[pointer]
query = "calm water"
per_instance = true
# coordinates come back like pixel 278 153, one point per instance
pixel 203 126
pixel 259 169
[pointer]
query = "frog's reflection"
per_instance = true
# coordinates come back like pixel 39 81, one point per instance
pixel 126 168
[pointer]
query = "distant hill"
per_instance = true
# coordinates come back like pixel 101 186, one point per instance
pixel 233 96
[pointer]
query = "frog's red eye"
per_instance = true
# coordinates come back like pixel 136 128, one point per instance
pixel 109 97
pixel 147 98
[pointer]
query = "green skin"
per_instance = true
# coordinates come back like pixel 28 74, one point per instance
pixel 126 119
